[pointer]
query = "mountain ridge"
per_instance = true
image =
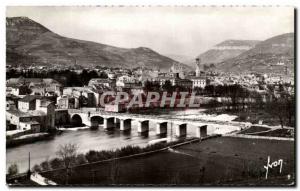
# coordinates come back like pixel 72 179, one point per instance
pixel 30 42
pixel 225 50
pixel 275 54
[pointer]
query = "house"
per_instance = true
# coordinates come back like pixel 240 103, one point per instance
pixel 61 117
pixel 111 75
pixel 34 126
pixel 17 117
pixel 27 103
pixel 177 69
pixel 198 82
pixel 38 86
pixel 17 90
pixel 48 108
pixel 67 102
pixel 88 97
pixel 186 83
pixel 125 79
pixel 175 80
pixel 102 82
pixel 10 105
pixel 32 109
pixel 162 80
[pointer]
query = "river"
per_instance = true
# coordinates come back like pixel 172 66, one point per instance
pixel 88 139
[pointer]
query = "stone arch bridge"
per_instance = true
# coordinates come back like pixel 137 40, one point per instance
pixel 110 120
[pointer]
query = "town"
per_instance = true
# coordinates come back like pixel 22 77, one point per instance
pixel 38 104
pixel 94 104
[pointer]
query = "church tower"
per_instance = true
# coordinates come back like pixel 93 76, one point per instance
pixel 197 67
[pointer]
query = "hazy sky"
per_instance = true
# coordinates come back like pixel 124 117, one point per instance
pixel 169 30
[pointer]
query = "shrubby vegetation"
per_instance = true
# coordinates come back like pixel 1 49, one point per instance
pixel 13 169
pixel 275 108
pixel 67 78
pixel 68 158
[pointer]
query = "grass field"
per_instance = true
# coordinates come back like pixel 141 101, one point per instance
pixel 254 129
pixel 218 161
pixel 278 133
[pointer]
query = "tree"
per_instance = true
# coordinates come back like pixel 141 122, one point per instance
pixel 151 86
pixel 46 165
pixel 67 153
pixel 36 168
pixel 278 107
pixel 91 156
pixel 167 86
pixel 210 89
pixel 55 163
pixel 291 110
pixel 13 169
pixel 80 159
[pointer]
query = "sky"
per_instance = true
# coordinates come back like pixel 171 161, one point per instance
pixel 172 30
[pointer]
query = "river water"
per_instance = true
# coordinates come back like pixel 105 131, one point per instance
pixel 91 140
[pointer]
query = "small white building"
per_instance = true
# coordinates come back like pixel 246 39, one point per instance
pixel 34 126
pixel 198 82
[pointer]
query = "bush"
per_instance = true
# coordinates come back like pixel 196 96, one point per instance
pixel 243 116
pixel 95 156
pixel 13 169
pixel 56 163
pixel 45 165
pixel 91 156
pixel 36 168
pixel 80 159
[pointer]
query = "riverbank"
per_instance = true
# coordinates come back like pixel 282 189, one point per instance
pixel 29 138
pixel 95 157
pixel 254 116
pixel 235 159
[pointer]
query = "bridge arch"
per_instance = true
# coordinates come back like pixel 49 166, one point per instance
pixel 76 120
pixel 97 120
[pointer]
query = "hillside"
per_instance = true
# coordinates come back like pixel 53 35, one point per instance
pixel 226 50
pixel 28 42
pixel 273 55
pixel 189 61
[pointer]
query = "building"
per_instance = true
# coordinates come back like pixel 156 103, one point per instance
pixel 125 80
pixel 38 86
pixel 175 80
pixel 17 90
pixel 34 126
pixel 27 103
pixel 198 71
pixel 33 112
pixel 10 105
pixel 102 82
pixel 87 96
pixel 177 69
pixel 67 102
pixel 111 75
pixel 198 82
pixel 111 107
pixel 61 117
